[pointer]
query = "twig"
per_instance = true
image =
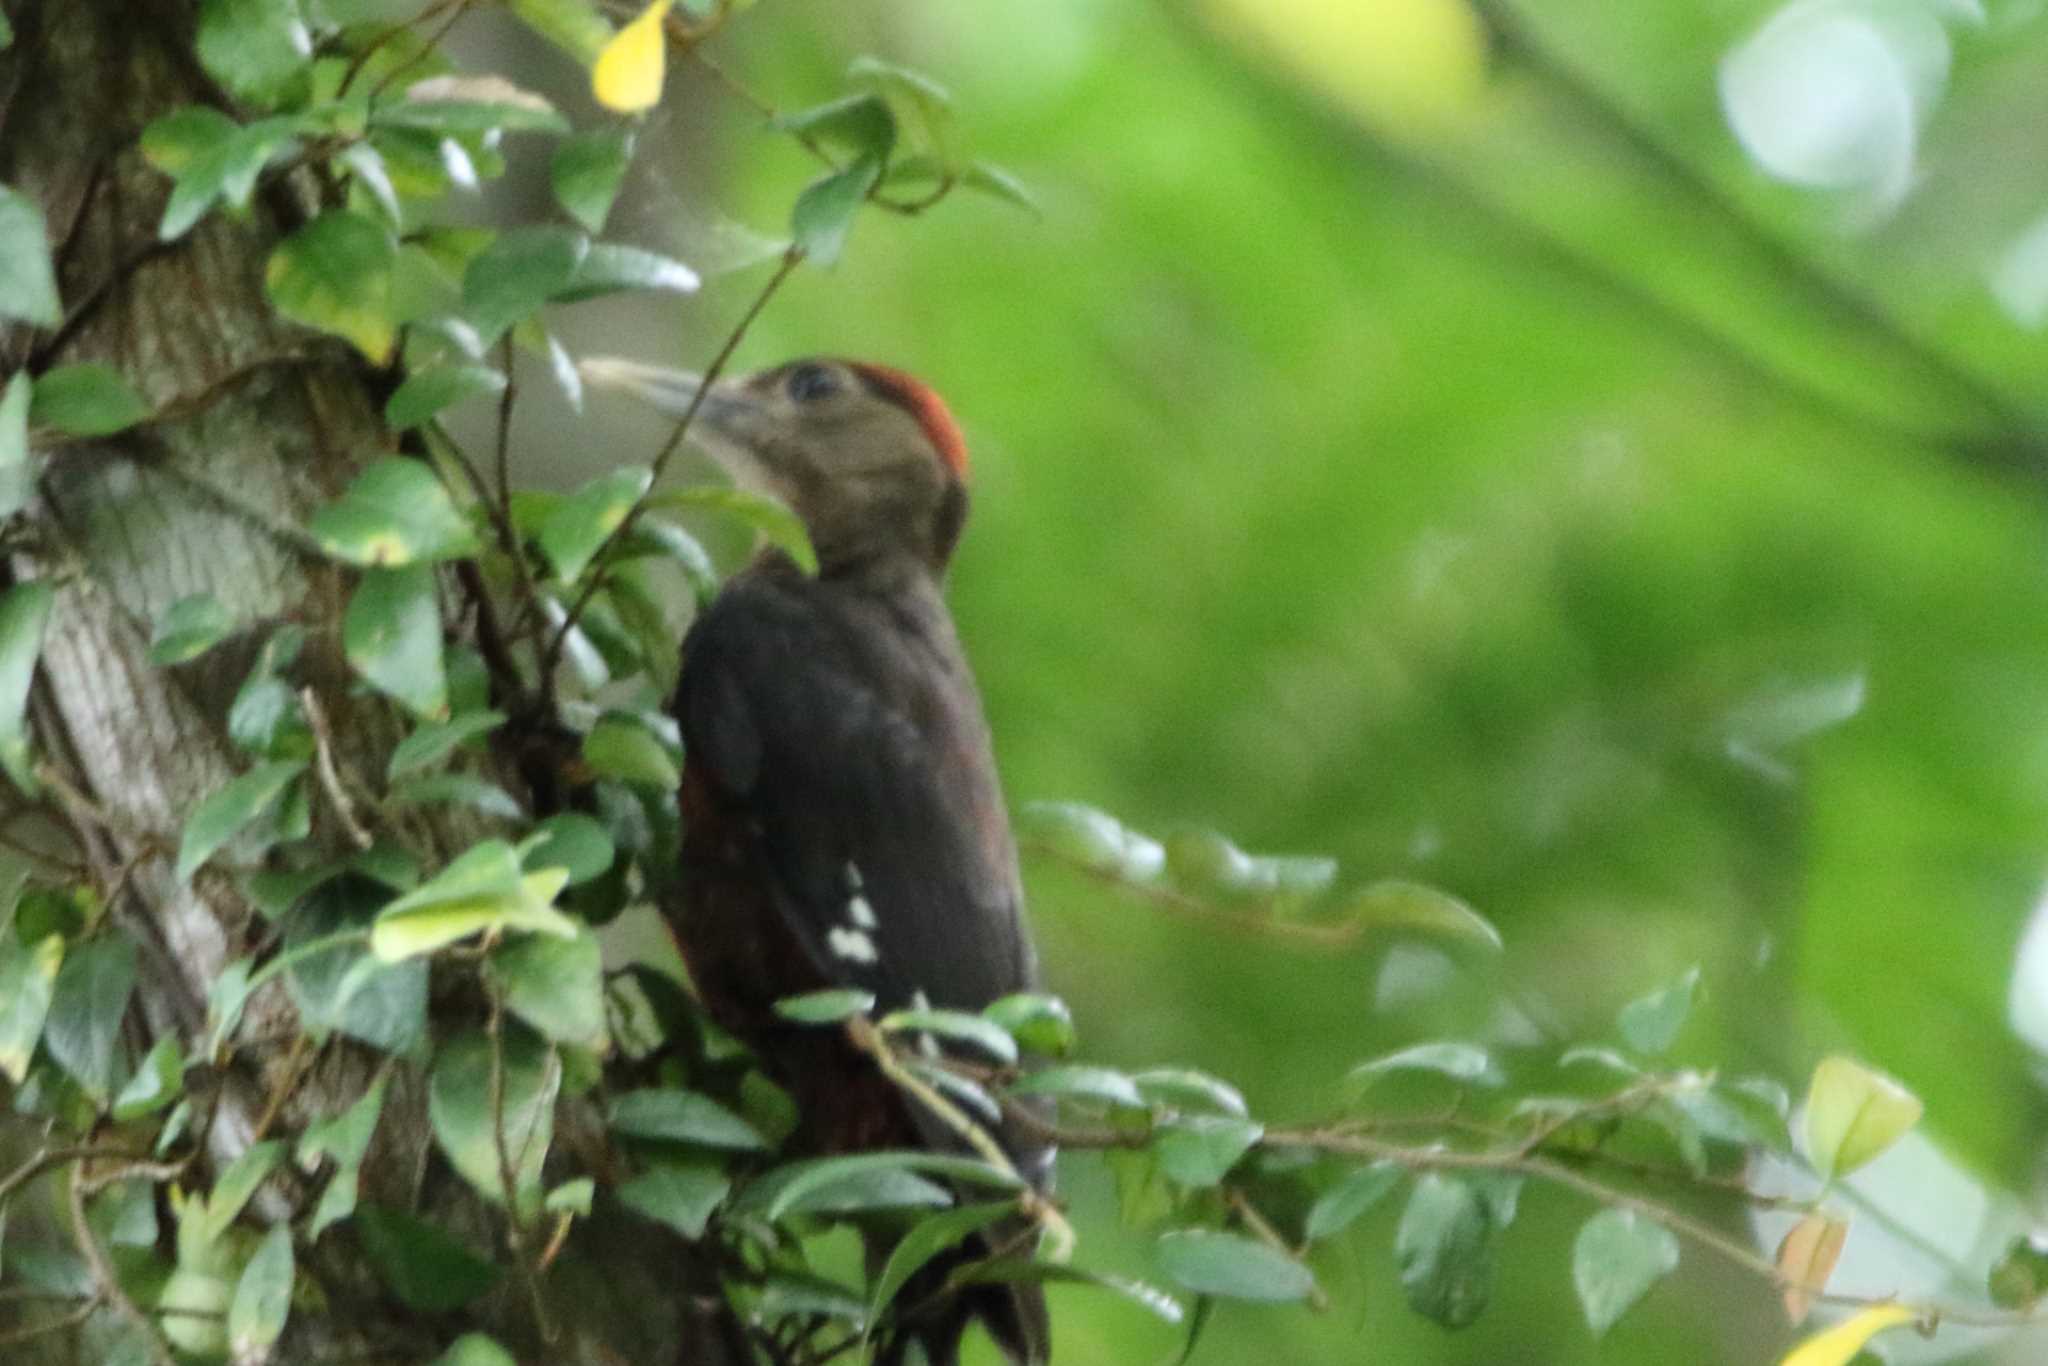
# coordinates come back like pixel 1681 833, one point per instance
pixel 330 777
pixel 104 1276
pixel 429 44
pixel 362 59
pixel 1030 1201
pixel 791 259
pixel 1270 1236
pixel 74 1319
pixel 515 1218
pixel 1195 909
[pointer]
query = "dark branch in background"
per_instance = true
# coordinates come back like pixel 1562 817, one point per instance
pixel 1516 41
pixel 2011 444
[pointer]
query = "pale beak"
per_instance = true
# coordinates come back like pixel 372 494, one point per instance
pixel 729 424
pixel 669 391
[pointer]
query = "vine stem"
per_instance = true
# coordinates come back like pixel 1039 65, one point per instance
pixel 869 1040
pixel 103 1273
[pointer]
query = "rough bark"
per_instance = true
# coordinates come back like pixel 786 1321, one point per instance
pixel 258 423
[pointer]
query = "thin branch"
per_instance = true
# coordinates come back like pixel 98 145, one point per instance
pixel 104 1276
pixel 515 1218
pixel 791 259
pixel 330 777
pixel 75 1319
pixel 1030 1201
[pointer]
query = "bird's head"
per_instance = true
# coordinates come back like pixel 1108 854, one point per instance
pixel 868 457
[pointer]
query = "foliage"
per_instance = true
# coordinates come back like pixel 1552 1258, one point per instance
pixel 565 636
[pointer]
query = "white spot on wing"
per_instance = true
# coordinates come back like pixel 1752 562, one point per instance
pixel 852 945
pixel 860 913
pixel 853 882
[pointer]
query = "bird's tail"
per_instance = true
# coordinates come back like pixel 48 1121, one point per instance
pixel 1013 1312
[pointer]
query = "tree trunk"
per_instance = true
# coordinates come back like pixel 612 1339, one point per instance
pixel 258 422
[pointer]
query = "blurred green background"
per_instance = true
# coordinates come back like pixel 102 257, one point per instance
pixel 1587 457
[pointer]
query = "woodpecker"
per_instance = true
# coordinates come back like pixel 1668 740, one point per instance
pixel 843 826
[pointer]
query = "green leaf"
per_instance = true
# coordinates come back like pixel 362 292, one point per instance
pixel 83 1028
pixel 344 988
pixel 1651 1023
pixel 824 211
pixel 2019 1277
pixel 958 1026
pixel 586 171
pixel 17 471
pixel 345 1138
pixel 1618 1255
pixel 334 274
pixel 226 996
pixel 426 392
pixel 555 985
pixel 457 789
pixel 919 88
pixel 391 634
pixel 484 889
pixel 23 611
pixel 1357 1191
pixel 213 158
pixel 474 1349
pixel 454 104
pixel 1081 1082
pixel 1445 1250
pixel 424 1266
pixel 516 274
pixel 831 1006
pixel 235 1187
pixel 433 743
pixel 263 1296
pixel 1853 1114
pixel 1461 1062
pixel 572 1197
pixel 773 519
pixel 189 628
pixel 253 47
pixel 1411 908
pixel 574 26
pixel 925 1240
pixel 626 750
pixel 1199 1151
pixel 859 123
pixel 1009 1270
pixel 573 842
pixel 28 974
pixel 466 1125
pixel 1092 839
pixel 1225 1264
pixel 1183 1088
pixel 1039 1023
pixel 992 179
pixel 28 286
pixel 583 521
pixel 87 399
pixel 611 267
pixel 230 810
pixel 677 1116
pixel 397 512
pixel 680 546
pixel 156 1083
pixel 682 1197
pixel 837 1181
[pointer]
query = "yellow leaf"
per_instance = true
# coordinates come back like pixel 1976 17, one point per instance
pixel 628 72
pixel 1405 68
pixel 1807 1258
pixel 1838 1344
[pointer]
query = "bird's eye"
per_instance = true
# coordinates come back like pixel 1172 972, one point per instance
pixel 809 383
